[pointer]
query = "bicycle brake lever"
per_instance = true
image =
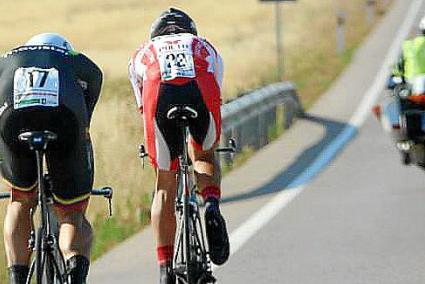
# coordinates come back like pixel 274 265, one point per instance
pixel 142 154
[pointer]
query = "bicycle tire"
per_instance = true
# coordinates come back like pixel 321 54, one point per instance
pixel 187 242
pixel 48 270
pixel 39 257
pixel 199 253
pixel 59 273
pixel 56 256
pixel 192 248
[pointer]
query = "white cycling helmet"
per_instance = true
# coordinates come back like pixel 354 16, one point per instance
pixel 50 39
pixel 422 25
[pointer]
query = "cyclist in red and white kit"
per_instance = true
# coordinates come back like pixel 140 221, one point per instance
pixel 176 67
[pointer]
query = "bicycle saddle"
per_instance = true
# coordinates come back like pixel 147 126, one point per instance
pixel 181 113
pixel 37 139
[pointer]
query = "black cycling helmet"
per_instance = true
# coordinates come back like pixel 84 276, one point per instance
pixel 173 21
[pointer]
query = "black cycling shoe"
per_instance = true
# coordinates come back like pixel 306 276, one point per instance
pixel 18 274
pixel 217 237
pixel 166 275
pixel 77 269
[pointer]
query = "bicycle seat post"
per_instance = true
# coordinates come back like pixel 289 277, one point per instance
pixel 37 142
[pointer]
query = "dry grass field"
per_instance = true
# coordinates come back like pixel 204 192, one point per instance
pixel 243 31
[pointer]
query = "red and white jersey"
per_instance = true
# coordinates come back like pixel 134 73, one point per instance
pixel 173 59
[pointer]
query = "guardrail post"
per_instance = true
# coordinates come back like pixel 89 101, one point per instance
pixel 225 157
pixel 271 121
pixel 288 115
pixel 237 134
pixel 262 129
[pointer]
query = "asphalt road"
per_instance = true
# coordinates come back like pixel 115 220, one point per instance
pixel 361 220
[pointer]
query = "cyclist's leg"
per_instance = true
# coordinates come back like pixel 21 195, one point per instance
pixel 18 172
pixel 205 132
pixel 72 179
pixel 208 179
pixel 75 235
pixel 17 227
pixel 75 240
pixel 163 141
pixel 164 222
pixel 207 171
pixel 162 214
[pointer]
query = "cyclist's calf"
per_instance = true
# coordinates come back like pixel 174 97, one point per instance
pixel 162 213
pixel 75 235
pixel 17 227
pixel 207 171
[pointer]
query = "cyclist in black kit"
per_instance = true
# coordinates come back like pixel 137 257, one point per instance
pixel 46 85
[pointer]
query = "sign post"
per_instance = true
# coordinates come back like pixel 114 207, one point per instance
pixel 340 31
pixel 278 27
pixel 370 11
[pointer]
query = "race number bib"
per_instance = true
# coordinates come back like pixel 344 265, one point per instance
pixel 34 86
pixel 176 60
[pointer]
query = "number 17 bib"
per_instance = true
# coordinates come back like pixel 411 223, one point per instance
pixel 34 86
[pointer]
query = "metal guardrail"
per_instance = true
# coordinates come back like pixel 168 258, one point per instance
pixel 250 118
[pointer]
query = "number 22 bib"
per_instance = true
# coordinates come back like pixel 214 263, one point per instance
pixel 176 59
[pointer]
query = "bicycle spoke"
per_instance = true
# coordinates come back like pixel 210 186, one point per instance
pixel 31 272
pixel 57 272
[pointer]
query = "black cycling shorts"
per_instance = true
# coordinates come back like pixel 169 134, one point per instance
pixel 164 136
pixel 69 159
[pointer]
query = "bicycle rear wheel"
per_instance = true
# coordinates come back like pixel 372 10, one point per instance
pixel 39 256
pixel 201 265
pixel 49 268
pixel 197 266
pixel 182 259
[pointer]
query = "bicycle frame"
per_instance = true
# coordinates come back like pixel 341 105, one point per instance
pixel 190 260
pixel 49 258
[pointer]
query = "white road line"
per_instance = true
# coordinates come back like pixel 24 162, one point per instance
pixel 259 219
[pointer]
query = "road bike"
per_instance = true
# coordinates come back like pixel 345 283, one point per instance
pixel 191 262
pixel 48 263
